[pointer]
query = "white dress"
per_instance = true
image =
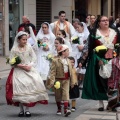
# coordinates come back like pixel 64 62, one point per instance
pixel 43 65
pixel 28 87
pixel 76 53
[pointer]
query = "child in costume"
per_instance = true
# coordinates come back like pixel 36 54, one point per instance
pixel 74 90
pixel 24 86
pixel 61 70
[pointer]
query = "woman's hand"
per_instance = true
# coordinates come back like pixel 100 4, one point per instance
pixel 24 67
pixel 27 68
pixel 80 65
pixel 80 47
pixel 46 48
pixel 100 62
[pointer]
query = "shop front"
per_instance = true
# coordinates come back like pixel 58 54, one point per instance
pixel 15 14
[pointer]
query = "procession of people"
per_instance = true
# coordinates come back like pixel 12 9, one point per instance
pixel 65 57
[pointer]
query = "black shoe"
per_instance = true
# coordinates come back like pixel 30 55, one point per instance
pixel 101 109
pixel 27 114
pixel 21 114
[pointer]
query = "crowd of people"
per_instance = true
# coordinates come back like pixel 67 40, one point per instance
pixel 67 54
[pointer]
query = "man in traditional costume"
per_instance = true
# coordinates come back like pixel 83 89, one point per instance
pixel 62 24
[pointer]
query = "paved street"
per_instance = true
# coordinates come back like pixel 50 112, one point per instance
pixel 86 110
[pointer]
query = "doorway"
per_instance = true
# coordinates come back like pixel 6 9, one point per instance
pixel 81 9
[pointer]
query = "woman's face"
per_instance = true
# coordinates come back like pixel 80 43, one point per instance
pixel 45 28
pixel 23 41
pixel 59 34
pixel 57 44
pixel 104 22
pixel 72 62
pixel 79 28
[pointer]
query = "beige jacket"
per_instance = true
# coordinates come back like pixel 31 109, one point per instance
pixel 57 71
pixel 74 76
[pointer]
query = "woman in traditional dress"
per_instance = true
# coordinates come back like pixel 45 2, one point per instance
pixel 95 87
pixel 47 38
pixel 114 82
pixel 24 85
pixel 82 33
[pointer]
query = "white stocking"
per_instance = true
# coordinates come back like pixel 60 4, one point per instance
pixel 21 107
pixel 101 104
pixel 27 108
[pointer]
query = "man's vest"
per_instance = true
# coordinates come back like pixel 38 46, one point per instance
pixel 57 27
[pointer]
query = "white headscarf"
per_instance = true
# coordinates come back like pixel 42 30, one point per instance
pixel 40 32
pixel 16 38
pixel 86 31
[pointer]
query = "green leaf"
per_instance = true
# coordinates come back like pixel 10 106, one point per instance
pixel 98 37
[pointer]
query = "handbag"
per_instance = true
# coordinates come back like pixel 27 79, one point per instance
pixel 74 92
pixel 105 70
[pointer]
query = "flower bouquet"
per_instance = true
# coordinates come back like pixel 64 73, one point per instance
pixel 75 40
pixel 100 52
pixel 14 61
pixel 49 57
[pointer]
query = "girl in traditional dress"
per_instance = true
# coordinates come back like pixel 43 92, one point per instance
pixel 82 33
pixel 31 38
pixel 74 90
pixel 63 35
pixel 24 85
pixel 94 86
pixel 57 44
pixel 47 38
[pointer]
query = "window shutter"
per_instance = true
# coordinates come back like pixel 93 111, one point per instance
pixel 43 12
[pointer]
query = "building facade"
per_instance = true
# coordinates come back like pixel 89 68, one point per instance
pixel 39 11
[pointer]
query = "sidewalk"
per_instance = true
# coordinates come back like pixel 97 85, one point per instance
pixel 4 68
pixel 93 114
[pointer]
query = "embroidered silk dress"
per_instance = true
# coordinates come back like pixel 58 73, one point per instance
pixel 27 87
pixel 95 87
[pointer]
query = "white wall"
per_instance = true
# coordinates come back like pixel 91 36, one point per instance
pixel 30 10
pixel 6 28
pixel 65 5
